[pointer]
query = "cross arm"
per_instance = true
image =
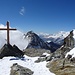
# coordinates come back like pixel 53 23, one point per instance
pixel 6 29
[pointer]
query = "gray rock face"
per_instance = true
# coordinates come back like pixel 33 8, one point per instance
pixel 69 40
pixel 19 70
pixel 8 50
pixel 35 41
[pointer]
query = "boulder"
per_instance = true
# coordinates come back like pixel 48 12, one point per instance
pixel 20 70
pixel 72 60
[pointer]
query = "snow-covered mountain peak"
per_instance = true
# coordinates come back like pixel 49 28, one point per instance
pixel 61 34
pixel 30 36
pixel 56 38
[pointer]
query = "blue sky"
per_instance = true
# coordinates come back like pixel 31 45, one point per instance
pixel 48 16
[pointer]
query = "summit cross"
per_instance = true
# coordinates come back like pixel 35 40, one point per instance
pixel 8 29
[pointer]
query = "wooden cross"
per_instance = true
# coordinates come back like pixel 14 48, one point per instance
pixel 7 31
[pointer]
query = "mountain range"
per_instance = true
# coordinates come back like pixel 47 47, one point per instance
pixel 20 39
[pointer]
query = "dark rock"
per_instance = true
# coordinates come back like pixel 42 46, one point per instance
pixel 43 56
pixel 50 57
pixel 18 52
pixel 72 60
pixel 8 50
pixel 20 70
pixel 69 56
pixel 40 59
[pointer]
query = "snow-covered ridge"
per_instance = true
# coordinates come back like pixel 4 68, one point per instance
pixel 56 38
pixel 61 34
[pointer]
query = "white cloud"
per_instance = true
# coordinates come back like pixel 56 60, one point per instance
pixel 16 37
pixel 22 11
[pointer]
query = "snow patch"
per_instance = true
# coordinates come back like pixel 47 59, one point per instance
pixel 46 54
pixel 29 62
pixel 71 52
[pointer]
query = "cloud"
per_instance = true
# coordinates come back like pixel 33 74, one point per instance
pixel 16 37
pixel 22 11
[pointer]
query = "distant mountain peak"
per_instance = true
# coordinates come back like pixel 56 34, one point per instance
pixel 56 38
pixel 35 41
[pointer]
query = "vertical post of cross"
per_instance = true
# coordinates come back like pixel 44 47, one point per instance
pixel 7 32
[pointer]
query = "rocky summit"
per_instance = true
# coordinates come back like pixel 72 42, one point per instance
pixel 9 50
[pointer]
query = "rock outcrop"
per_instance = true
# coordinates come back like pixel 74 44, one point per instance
pixel 35 52
pixel 8 50
pixel 62 67
pixel 20 70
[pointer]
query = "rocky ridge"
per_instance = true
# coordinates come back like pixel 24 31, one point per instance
pixel 9 50
pixel 59 64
